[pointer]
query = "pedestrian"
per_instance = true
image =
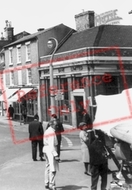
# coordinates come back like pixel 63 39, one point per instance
pixel 10 112
pixel 86 119
pixel 24 113
pixel 36 136
pixel 84 147
pixel 51 156
pixel 58 131
pixel 98 162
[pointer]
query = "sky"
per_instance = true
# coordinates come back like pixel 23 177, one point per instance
pixel 30 15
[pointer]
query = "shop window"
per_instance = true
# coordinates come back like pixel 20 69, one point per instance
pixel 111 87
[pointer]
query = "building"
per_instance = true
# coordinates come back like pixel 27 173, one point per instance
pixel 21 62
pixel 93 61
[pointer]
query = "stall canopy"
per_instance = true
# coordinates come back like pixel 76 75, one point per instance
pixel 7 94
pixel 21 93
pixel 113 110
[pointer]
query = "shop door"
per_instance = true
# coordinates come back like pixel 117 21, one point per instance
pixel 79 107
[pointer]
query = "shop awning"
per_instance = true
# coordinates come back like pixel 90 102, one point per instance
pixel 22 92
pixel 7 94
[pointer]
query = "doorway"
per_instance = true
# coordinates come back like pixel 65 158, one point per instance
pixel 79 102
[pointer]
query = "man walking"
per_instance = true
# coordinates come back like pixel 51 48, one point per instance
pixel 36 136
pixel 98 161
pixel 50 150
pixel 58 130
pixel 11 111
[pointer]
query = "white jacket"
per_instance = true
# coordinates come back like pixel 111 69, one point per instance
pixel 50 148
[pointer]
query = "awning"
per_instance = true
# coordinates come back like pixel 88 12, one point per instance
pixel 22 92
pixel 7 94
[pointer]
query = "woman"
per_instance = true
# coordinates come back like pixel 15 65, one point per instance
pixel 51 156
pixel 84 147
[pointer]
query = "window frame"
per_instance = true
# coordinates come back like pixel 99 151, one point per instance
pixel 10 56
pixel 18 54
pixel 28 51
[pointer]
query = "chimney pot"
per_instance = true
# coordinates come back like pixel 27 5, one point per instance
pixel 40 29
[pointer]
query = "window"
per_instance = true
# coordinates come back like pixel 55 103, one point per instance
pixel 11 78
pixel 18 54
pixel 10 56
pixel 19 77
pixel 29 76
pixel 28 51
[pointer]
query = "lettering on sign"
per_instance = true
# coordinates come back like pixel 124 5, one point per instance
pixel 109 17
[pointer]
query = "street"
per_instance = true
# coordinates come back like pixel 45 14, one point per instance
pixel 18 171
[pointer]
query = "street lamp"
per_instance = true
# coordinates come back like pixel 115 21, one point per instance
pixel 52 43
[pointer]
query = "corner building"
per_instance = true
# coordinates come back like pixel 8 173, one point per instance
pixel 92 61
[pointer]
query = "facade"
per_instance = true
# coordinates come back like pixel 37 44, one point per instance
pixel 21 63
pixel 93 61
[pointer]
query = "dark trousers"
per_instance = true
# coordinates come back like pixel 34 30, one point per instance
pixel 96 171
pixel 35 143
pixel 59 145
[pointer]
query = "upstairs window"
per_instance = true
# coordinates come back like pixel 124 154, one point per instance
pixel 11 56
pixel 18 54
pixel 11 78
pixel 20 77
pixel 28 51
pixel 29 76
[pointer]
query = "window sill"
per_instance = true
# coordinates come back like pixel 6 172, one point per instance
pixel 28 61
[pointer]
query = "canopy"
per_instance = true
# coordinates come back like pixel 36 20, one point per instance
pixel 113 110
pixel 22 92
pixel 7 94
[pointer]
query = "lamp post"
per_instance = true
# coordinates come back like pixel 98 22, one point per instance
pixel 52 43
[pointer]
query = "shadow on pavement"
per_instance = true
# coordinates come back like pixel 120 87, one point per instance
pixel 71 187
pixel 74 160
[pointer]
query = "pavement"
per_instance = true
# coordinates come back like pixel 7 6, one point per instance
pixel 24 174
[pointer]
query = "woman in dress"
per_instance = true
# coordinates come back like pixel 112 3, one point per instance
pixel 84 147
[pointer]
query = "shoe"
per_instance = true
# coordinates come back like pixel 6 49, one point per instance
pixel 52 188
pixel 35 160
pixel 87 173
pixel 41 159
pixel 46 186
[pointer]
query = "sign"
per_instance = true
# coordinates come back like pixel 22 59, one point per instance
pixel 109 17
pixel 59 95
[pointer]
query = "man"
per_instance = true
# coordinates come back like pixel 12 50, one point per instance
pixel 24 113
pixel 36 136
pixel 86 119
pixel 51 155
pixel 98 161
pixel 59 129
pixel 11 111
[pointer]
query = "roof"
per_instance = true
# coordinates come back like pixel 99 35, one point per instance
pixel 31 36
pixel 100 36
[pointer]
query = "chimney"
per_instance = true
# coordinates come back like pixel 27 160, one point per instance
pixel 9 31
pixel 40 29
pixel 84 20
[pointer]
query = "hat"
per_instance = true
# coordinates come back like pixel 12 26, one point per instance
pixel 36 116
pixel 54 116
pixel 82 124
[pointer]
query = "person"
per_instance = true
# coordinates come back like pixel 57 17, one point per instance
pixel 36 136
pixel 24 113
pixel 86 119
pixel 10 112
pixel 84 147
pixel 51 156
pixel 98 162
pixel 58 131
